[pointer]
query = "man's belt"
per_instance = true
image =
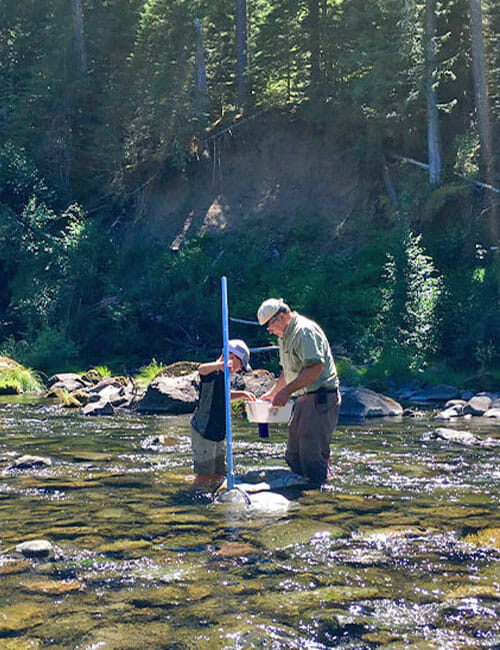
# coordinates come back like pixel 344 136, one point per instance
pixel 323 389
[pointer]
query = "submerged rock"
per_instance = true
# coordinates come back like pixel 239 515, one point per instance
pixel 360 402
pixel 156 442
pixel 236 549
pixel 474 591
pixel 21 616
pixel 11 566
pixel 486 538
pixel 297 531
pixel 53 587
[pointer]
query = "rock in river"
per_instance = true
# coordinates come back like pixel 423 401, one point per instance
pixel 174 395
pixel 360 402
pixel 439 393
pixel 35 548
pixel 28 462
pixel 465 438
pixel 478 405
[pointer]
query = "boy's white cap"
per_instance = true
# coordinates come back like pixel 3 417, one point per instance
pixel 268 309
pixel 240 349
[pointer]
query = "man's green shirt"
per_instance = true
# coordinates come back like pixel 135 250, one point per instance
pixel 303 344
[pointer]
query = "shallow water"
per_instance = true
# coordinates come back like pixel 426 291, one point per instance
pixel 399 550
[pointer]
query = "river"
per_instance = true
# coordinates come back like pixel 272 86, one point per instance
pixel 399 550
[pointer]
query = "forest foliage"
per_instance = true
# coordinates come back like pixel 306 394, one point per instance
pixel 96 98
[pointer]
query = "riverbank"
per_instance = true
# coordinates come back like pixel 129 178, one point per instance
pixel 174 390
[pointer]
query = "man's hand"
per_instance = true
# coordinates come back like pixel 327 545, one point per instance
pixel 281 397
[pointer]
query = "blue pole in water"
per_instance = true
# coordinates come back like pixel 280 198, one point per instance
pixel 227 384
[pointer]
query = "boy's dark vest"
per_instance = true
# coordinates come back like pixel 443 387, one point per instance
pixel 209 418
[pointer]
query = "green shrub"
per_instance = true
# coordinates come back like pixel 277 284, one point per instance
pixel 51 350
pixel 408 320
pixel 349 374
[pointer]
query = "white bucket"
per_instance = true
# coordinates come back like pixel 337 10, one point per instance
pixel 264 412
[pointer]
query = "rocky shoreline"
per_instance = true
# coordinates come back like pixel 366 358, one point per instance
pixel 175 391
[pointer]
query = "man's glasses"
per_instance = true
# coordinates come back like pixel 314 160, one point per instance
pixel 272 320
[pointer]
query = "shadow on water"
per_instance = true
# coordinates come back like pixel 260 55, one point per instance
pixel 401 549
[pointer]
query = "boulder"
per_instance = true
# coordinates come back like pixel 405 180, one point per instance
pixel 413 413
pixel 8 364
pixel 68 381
pixel 493 413
pixel 478 405
pixel 448 413
pixel 92 376
pixel 360 402
pixel 457 404
pixel 439 393
pixel 172 395
pixel 117 391
pixel 257 382
pixel 35 548
pixel 179 369
pixel 76 399
pixel 101 407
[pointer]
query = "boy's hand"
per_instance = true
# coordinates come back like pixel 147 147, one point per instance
pixel 249 396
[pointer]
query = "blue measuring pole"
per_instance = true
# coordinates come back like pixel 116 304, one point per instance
pixel 227 384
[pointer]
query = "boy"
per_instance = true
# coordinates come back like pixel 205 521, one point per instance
pixel 208 424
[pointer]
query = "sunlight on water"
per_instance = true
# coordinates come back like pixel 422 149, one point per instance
pixel 400 549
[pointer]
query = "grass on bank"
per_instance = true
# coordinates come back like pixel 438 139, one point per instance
pixel 147 373
pixel 14 381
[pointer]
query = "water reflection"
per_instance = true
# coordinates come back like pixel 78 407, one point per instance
pixel 401 548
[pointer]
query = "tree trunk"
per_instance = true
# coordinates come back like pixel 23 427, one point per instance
pixel 314 46
pixel 480 89
pixel 201 86
pixel 81 51
pixel 241 52
pixel 433 137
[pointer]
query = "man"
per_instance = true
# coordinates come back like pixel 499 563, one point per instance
pixel 309 374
